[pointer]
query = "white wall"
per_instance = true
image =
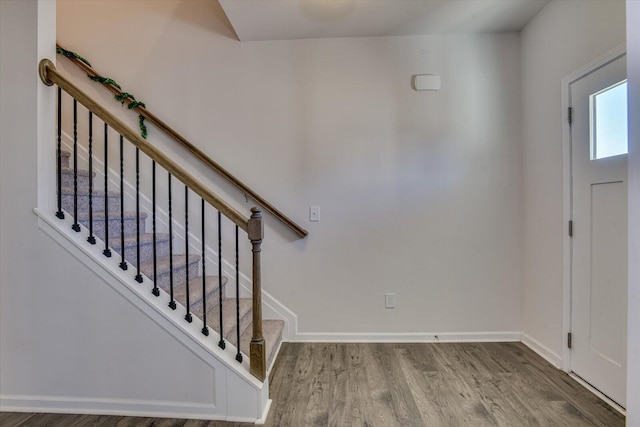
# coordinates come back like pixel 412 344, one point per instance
pixel 68 341
pixel 633 75
pixel 421 193
pixel 564 36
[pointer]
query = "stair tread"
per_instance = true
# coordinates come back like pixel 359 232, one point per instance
pixel 145 238
pixel 112 215
pixel 228 316
pixel 69 171
pixel 195 288
pixel 68 191
pixel 272 333
pixel 163 267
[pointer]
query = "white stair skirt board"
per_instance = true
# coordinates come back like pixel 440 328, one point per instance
pixel 404 337
pixel 271 307
pixel 235 394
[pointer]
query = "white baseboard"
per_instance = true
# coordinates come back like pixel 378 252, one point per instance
pixel 543 351
pixel 118 407
pixel 265 414
pixel 105 406
pixel 274 309
pixel 402 337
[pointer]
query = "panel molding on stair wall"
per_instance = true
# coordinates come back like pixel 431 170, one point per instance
pixel 180 339
pixel 271 307
pixel 121 407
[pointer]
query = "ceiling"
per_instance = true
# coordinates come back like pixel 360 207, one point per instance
pixel 256 20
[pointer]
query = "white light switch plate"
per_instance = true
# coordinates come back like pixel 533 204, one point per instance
pixel 389 300
pixel 314 213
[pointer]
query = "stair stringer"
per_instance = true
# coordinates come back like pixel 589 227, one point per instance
pixel 235 395
pixel 272 308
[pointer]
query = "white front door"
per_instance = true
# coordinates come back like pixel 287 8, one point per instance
pixel 599 244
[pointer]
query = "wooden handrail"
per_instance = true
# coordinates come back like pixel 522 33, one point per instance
pixel 50 76
pixel 301 232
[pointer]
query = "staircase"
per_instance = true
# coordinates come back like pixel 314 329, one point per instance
pixel 177 267
pixel 215 325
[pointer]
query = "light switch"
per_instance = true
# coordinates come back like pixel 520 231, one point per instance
pixel 390 300
pixel 314 213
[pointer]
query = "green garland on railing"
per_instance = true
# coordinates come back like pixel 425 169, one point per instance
pixel 121 97
pixel 104 80
pixel 143 127
pixel 133 104
pixel 69 54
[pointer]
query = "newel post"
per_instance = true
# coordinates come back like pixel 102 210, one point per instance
pixel 257 357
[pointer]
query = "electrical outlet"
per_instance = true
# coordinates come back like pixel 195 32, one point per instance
pixel 314 213
pixel 389 300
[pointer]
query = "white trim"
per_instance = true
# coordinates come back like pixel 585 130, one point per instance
pixel 104 406
pixel 567 214
pixel 46 105
pixel 597 63
pixel 541 350
pixel 407 337
pixel 273 360
pixel 274 309
pixel 597 392
pixel 261 421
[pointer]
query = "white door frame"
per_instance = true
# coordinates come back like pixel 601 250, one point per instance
pixel 589 68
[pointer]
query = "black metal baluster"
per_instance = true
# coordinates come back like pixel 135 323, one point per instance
pixel 75 226
pixel 238 355
pixel 172 302
pixel 221 343
pixel 123 263
pixel 138 276
pixel 59 214
pixel 107 251
pixel 205 329
pixel 155 291
pixel 187 316
pixel 91 239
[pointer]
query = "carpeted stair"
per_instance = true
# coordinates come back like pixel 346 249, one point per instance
pixel 272 329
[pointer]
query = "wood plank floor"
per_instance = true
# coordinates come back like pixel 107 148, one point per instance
pixel 319 384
